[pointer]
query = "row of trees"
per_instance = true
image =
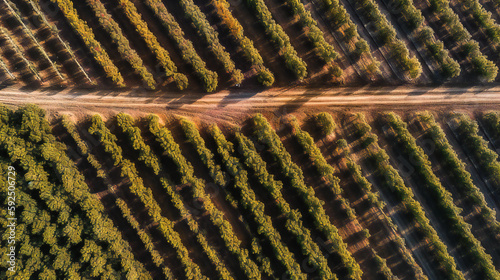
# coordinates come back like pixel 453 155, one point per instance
pixel 252 55
pixel 392 182
pixel 82 146
pixel 121 42
pixel 323 49
pixel 172 150
pixel 87 36
pixel 416 23
pixel 313 152
pixel 32 224
pixel 326 171
pixel 279 38
pixel 484 20
pixel 145 239
pixel 72 200
pixel 441 198
pixel 128 170
pixel 74 184
pixel 491 121
pixel 59 204
pixel 20 56
pixel 467 46
pixel 487 159
pixel 457 171
pixel 386 34
pixel 374 198
pixel 210 38
pixel 358 46
pixel 189 55
pixel 122 206
pixel 35 225
pixel 14 12
pixel 161 54
pixel 265 134
pixel 254 207
pixel 148 158
pixel 66 49
pixel 254 162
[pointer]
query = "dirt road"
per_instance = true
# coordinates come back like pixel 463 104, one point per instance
pixel 237 102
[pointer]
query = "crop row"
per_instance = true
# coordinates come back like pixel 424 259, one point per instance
pixel 174 31
pixel 122 43
pixel 161 54
pixel 88 38
pixel 339 17
pixel 302 235
pixel 73 192
pixel 122 206
pixel 254 207
pixel 484 20
pixel 392 181
pixel 374 199
pixel 413 18
pixel 172 149
pixel 146 240
pixel 457 171
pixel 468 47
pixel 279 38
pixel 264 76
pixel 210 38
pixel 55 32
pixel 20 54
pixel 16 13
pixel 166 227
pixel 33 224
pixel 327 171
pixel 322 48
pixel 441 198
pixel 491 121
pixel 386 34
pixel 487 159
pixel 264 133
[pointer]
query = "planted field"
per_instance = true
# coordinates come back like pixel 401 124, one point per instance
pixel 306 195
pixel 211 45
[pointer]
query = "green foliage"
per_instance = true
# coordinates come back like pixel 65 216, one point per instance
pixel 161 54
pixel 323 49
pixel 457 171
pixel 491 122
pixel 486 158
pixel 255 207
pixel 78 215
pixel 146 240
pixel 448 211
pixel 325 123
pixel 122 43
pixel 392 181
pixel 302 235
pixel 264 133
pixel 174 31
pixel 386 35
pixel 279 38
pixel 434 47
pixel 374 198
pixel 469 48
pixel 128 170
pixel 264 76
pixel 210 38
pixel 87 36
pixel 340 19
pixel 173 151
